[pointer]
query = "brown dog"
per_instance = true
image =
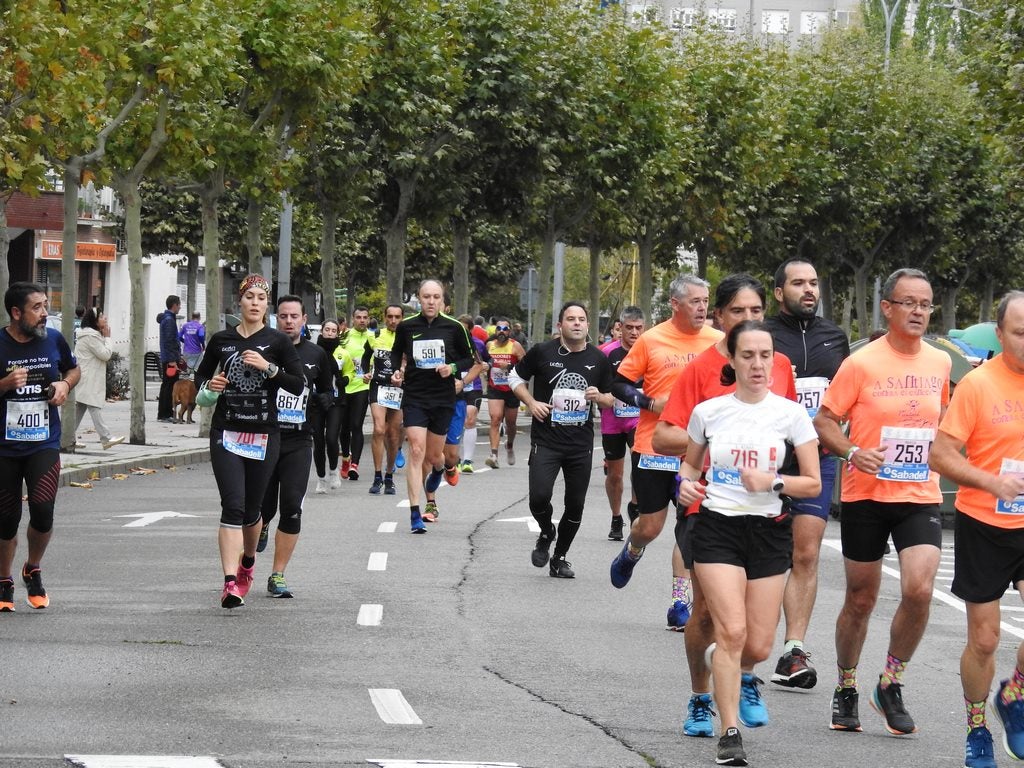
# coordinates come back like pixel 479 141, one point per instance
pixel 183 399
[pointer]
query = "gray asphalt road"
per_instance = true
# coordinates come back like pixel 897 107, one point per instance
pixel 497 661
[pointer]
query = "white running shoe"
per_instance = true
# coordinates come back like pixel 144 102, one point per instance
pixel 321 486
pixel 335 481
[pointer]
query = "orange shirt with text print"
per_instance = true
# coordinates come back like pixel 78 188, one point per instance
pixel 987 415
pixel 658 357
pixel 898 397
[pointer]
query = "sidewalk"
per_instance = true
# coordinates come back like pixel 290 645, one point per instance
pixel 166 445
pixel 170 445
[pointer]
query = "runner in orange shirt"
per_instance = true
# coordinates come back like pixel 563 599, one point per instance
pixel 986 416
pixel 893 392
pixel 657 359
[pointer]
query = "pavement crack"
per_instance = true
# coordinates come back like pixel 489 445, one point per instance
pixel 460 606
pixel 649 759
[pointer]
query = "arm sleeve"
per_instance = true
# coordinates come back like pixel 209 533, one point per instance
pixel 625 391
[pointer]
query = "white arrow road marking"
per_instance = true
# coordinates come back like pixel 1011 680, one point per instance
pixel 387 527
pixel 939 595
pixel 145 518
pixel 392 707
pixel 531 524
pixel 370 615
pixel 378 561
pixel 142 761
pixel 384 763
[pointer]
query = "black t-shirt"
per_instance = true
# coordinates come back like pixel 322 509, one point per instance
pixel 560 378
pixel 293 410
pixel 30 423
pixel 249 404
pixel 426 345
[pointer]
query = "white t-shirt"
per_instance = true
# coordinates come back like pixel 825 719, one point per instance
pixel 740 435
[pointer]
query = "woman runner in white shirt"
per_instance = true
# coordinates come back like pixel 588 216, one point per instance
pixel 742 538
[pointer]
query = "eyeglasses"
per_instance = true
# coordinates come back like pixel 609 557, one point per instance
pixel 910 305
pixel 503 328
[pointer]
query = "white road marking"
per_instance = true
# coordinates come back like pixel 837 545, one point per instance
pixel 370 615
pixel 142 761
pixel 392 707
pixel 385 763
pixel 387 527
pixel 938 594
pixel 145 518
pixel 531 524
pixel 378 561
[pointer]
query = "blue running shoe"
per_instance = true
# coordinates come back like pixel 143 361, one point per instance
pixel 753 712
pixel 433 480
pixel 1012 717
pixel 622 567
pixel 980 753
pixel 416 523
pixel 261 544
pixel 699 714
pixel 678 615
pixel 400 459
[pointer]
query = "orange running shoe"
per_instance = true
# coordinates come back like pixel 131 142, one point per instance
pixel 34 582
pixel 451 475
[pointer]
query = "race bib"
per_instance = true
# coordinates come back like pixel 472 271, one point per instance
pixel 809 391
pixel 658 463
pixel 731 454
pixel 390 397
pixel 248 445
pixel 291 409
pixel 428 353
pixel 499 377
pixel 906 454
pixel 28 422
pixel 1013 468
pixel 624 411
pixel 569 406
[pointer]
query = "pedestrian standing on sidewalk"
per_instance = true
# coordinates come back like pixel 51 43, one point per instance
pixel 193 341
pixel 40 371
pixel 170 358
pixel 93 351
pixel 241 373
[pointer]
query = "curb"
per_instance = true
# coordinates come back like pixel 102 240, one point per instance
pixel 79 474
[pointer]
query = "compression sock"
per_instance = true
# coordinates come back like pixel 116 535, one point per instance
pixel 681 590
pixel 1014 688
pixel 847 678
pixel 893 672
pixel 975 713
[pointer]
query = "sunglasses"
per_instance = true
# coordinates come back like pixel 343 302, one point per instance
pixel 503 327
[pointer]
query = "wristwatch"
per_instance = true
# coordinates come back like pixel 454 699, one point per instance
pixel 779 484
pixel 272 370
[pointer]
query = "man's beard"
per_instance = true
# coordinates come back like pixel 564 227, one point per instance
pixel 797 309
pixel 27 329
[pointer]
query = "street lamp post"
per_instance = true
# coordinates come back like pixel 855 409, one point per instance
pixel 890 19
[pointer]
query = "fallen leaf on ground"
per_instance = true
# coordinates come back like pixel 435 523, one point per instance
pixel 81 485
pixel 119 476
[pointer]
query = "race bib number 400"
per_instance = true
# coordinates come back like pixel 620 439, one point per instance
pixel 428 353
pixel 28 422
pixel 248 445
pixel 569 406
pixel 1013 468
pixel 906 454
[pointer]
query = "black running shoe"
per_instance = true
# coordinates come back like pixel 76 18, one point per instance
pixel 560 568
pixel 795 671
pixel 730 748
pixel 615 534
pixel 844 710
pixel 888 702
pixel 539 556
pixel 7 596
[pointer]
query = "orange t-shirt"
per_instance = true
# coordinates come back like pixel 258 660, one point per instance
pixel 987 415
pixel 658 357
pixel 893 399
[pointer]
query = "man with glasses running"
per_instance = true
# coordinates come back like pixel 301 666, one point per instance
pixel 893 392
